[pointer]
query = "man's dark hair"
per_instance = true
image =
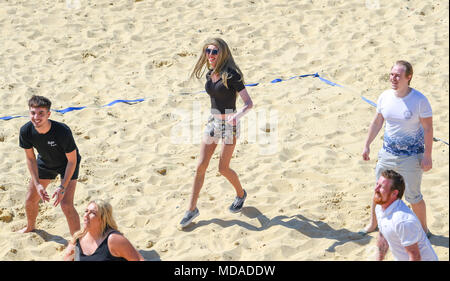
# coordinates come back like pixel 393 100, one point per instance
pixel 398 183
pixel 39 101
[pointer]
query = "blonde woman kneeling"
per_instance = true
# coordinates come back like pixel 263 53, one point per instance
pixel 100 239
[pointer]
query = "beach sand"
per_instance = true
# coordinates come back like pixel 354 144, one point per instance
pixel 299 156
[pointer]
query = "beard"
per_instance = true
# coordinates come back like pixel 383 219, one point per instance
pixel 378 199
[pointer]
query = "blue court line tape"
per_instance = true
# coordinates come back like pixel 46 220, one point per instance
pixel 11 117
pixel 329 82
pixel 74 108
pixel 438 139
pixel 297 76
pixel 65 110
pixel 68 109
pixel 130 102
pixel 369 101
pixel 306 75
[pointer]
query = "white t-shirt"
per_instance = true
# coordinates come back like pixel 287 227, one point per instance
pixel 403 133
pixel 401 228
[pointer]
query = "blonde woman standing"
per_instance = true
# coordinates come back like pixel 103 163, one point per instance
pixel 100 239
pixel 224 82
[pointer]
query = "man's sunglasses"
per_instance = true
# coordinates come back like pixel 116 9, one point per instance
pixel 212 51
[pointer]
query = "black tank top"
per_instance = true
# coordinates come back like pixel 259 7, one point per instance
pixel 102 253
pixel 223 99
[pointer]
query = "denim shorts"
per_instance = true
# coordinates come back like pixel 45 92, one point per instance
pixel 407 166
pixel 221 129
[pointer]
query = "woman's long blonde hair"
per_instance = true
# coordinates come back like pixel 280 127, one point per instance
pixel 106 218
pixel 225 61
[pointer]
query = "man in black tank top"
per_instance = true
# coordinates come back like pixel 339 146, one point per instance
pixel 57 154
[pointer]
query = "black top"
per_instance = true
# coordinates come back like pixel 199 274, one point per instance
pixel 51 146
pixel 223 99
pixel 102 252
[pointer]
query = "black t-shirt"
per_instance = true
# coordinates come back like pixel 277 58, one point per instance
pixel 51 146
pixel 223 99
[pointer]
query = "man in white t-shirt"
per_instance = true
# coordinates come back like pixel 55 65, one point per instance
pixel 408 138
pixel 400 230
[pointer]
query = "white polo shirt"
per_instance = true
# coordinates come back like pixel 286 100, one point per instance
pixel 401 228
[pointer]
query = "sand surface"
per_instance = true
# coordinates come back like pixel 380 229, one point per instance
pixel 309 190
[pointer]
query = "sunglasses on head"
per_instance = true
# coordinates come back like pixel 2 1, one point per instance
pixel 212 51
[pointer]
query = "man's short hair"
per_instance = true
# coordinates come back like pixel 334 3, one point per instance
pixel 39 101
pixel 398 183
pixel 408 68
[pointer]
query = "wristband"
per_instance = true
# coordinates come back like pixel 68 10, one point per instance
pixel 62 187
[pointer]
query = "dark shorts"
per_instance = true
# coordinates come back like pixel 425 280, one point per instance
pixel 46 173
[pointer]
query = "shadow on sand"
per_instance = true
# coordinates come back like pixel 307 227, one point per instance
pixel 50 237
pixel 439 240
pixel 150 255
pixel 308 227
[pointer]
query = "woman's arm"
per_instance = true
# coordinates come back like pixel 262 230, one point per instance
pixel 69 254
pixel 248 104
pixel 121 247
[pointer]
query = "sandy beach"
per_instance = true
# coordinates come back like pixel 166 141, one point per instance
pixel 299 155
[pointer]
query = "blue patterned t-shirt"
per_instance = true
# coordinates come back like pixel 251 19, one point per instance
pixel 403 133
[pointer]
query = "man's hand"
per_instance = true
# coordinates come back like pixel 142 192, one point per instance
pixel 365 154
pixel 426 163
pixel 59 194
pixel 232 120
pixel 42 193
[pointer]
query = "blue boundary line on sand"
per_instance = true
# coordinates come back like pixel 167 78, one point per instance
pixel 75 108
pixel 131 102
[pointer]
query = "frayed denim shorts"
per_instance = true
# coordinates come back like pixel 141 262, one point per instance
pixel 220 129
